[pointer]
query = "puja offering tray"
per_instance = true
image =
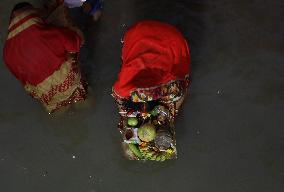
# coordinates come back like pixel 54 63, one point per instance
pixel 149 135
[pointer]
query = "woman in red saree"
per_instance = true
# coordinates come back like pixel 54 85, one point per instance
pixel 150 88
pixel 41 57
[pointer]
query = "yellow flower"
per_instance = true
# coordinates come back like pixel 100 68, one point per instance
pixel 170 151
pixel 135 98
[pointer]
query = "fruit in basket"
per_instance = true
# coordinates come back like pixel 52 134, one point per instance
pixel 163 140
pixel 160 109
pixel 147 132
pixel 154 112
pixel 161 118
pixel 135 150
pixel 132 121
pixel 149 154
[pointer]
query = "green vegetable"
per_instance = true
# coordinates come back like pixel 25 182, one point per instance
pixel 150 154
pixel 154 112
pixel 132 121
pixel 163 158
pixel 135 150
pixel 154 157
pixel 158 158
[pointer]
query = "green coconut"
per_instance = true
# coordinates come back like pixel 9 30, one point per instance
pixel 132 121
pixel 147 132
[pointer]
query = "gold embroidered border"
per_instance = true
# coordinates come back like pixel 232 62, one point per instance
pixel 148 88
pixel 24 26
pixel 56 79
pixel 62 96
pixel 22 16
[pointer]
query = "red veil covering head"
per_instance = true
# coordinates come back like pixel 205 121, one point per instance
pixel 33 49
pixel 153 54
pixel 36 54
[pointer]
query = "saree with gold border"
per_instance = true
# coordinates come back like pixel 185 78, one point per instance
pixel 36 54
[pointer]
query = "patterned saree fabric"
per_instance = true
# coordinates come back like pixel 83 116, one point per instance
pixel 35 53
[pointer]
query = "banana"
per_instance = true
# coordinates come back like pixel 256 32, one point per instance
pixel 163 158
pixel 154 157
pixel 158 158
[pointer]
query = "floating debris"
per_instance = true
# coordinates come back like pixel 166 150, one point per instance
pixel 73 156
pixel 45 173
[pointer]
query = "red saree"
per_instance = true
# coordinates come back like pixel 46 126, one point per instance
pixel 36 54
pixel 153 54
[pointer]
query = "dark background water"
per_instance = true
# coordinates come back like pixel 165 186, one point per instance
pixel 230 132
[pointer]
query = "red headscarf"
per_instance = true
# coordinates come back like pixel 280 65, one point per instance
pixel 153 54
pixel 33 49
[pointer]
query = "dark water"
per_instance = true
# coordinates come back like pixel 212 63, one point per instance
pixel 230 132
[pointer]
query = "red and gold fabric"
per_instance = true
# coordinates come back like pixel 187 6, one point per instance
pixel 36 53
pixel 155 67
pixel 154 55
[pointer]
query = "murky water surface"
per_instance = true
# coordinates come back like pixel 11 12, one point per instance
pixel 230 131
